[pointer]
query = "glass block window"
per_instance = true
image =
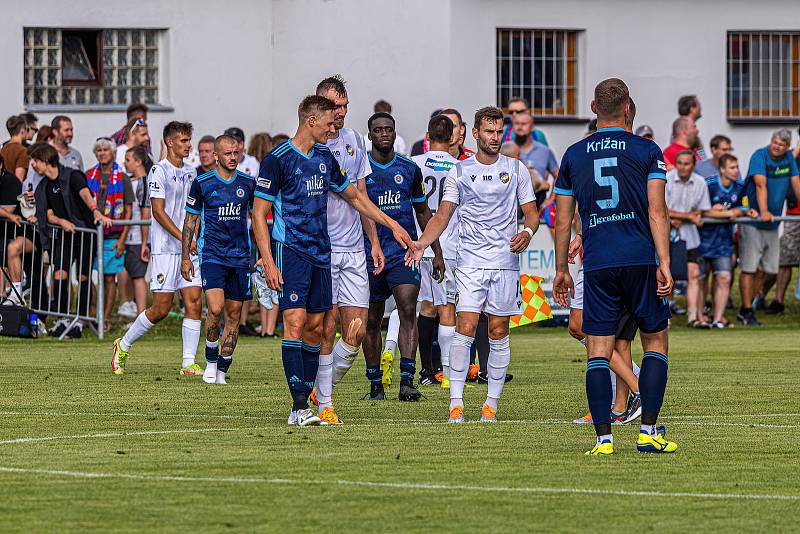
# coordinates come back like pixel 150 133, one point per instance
pixel 91 67
pixel 540 66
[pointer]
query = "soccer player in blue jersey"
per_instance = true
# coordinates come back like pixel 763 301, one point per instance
pixel 617 181
pixel 294 180
pixel 395 186
pixel 221 199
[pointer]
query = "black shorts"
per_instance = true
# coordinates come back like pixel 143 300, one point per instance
pixel 627 327
pixel 305 285
pixel 133 261
pixel 693 256
pixel 233 281
pixel 78 248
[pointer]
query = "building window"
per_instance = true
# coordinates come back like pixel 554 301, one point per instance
pixel 91 67
pixel 540 66
pixel 763 75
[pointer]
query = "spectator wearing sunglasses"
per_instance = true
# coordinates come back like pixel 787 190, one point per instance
pixel 138 135
pixel 135 111
pixel 516 106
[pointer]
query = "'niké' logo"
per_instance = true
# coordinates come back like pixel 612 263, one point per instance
pixel 389 198
pixel 231 209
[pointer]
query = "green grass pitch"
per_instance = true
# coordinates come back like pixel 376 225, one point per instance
pixel 83 450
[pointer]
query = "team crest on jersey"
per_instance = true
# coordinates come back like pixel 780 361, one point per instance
pixel 350 150
pixel 160 278
pixel 240 193
pixel 293 297
pixel 504 177
pixel 398 179
pixel 322 168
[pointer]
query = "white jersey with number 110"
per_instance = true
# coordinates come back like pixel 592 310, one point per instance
pixel 435 165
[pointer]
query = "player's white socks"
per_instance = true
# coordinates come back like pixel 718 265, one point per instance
pixel 459 362
pixel 210 373
pixel 141 325
pixel 497 365
pixel 445 336
pixel 325 380
pixel 392 331
pixel 190 332
pixel 344 355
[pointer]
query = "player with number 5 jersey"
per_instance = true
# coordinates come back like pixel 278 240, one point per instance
pixel 617 180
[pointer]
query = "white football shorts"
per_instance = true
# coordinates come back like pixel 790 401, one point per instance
pixel 165 273
pixel 576 302
pixel 493 291
pixel 349 283
pixel 430 289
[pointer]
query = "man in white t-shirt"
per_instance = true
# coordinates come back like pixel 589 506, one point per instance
pixel 247 164
pixel 437 290
pixel 169 182
pixel 487 189
pixel 349 283
pixel 138 135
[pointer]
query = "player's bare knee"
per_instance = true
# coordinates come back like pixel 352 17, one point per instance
pixel 498 332
pixel 427 309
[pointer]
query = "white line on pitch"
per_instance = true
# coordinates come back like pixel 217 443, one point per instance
pixel 407 485
pixel 676 418
pixel 119 435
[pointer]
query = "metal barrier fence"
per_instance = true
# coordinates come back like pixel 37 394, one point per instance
pixel 46 275
pixel 41 277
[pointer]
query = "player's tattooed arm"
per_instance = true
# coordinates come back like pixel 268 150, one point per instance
pixel 189 225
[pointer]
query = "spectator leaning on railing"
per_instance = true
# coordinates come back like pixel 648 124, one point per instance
pixel 771 171
pixel 112 192
pixel 63 199
pixel 687 200
pixel 726 192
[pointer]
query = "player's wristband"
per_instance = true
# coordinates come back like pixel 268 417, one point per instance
pixel 528 231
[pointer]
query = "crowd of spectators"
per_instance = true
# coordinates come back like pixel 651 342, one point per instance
pixel 45 182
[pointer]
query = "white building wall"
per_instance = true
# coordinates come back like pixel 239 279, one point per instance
pixel 248 62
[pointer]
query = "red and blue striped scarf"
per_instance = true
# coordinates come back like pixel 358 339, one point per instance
pixel 114 206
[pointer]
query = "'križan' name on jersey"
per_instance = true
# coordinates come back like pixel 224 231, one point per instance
pixel 607 173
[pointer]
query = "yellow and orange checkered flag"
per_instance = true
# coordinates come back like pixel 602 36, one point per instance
pixel 535 307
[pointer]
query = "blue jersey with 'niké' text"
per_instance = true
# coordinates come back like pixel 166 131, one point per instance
pixel 607 173
pixel 223 207
pixel 297 185
pixel 394 187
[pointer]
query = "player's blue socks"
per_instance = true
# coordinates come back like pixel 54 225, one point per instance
pixel 599 394
pixel 652 383
pixel 374 374
pixel 212 351
pixel 310 365
pixel 224 363
pixel 292 354
pixel 407 369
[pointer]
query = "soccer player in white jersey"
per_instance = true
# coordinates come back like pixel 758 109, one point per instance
pixel 168 183
pixel 487 189
pixel 349 283
pixel 437 290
